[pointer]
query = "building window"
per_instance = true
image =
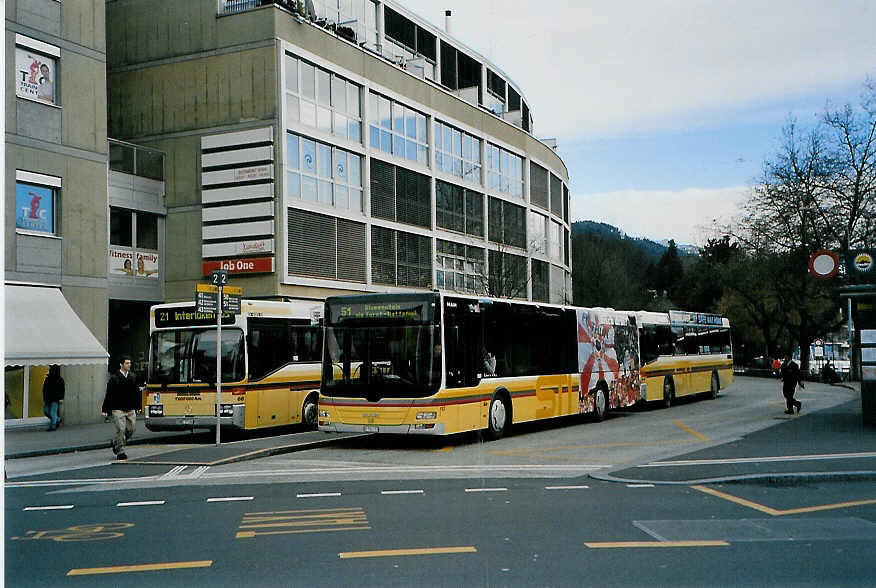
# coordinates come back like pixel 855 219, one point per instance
pixel 398 130
pixel 540 281
pixel 409 41
pixel 537 233
pixel 538 185
pixel 495 93
pixel 507 277
pixel 460 267
pixel 555 237
pixel 318 172
pixel 36 65
pixel 556 196
pixel 400 194
pixel 459 209
pixel 36 208
pixel 121 227
pixel 323 246
pixel 400 259
pixel 504 171
pixel 507 223
pixel 133 243
pixel 457 152
pixel 320 99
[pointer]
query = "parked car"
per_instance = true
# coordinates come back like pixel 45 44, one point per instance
pixel 760 366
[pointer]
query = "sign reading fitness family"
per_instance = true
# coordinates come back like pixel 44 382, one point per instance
pixel 407 311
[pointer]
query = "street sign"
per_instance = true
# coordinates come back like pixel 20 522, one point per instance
pixel 207 298
pixel 219 277
pixel 824 264
pixel 206 301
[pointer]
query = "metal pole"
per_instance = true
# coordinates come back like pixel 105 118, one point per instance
pixel 853 372
pixel 218 363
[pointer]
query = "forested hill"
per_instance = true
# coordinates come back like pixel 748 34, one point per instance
pixel 611 269
pixel 606 232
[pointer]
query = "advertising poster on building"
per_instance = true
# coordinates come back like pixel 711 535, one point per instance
pixel 121 262
pixel 147 265
pixel 34 208
pixel 35 76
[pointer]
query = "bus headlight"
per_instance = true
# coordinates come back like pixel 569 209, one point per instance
pixel 426 415
pixel 323 414
pixel 226 410
pixel 155 410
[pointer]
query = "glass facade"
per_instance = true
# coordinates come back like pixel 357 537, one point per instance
pixel 397 129
pixel 321 173
pixel 504 171
pixel 457 152
pixel 320 99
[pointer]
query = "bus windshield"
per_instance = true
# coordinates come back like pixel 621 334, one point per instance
pixel 373 361
pixel 187 356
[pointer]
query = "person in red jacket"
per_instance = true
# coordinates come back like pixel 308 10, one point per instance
pixel 122 402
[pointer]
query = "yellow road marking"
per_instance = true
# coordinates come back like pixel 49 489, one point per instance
pixel 392 552
pixel 445 449
pixel 628 544
pixel 776 512
pixel 251 534
pixel 687 429
pixel 302 521
pixel 174 565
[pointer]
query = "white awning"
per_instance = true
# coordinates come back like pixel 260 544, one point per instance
pixel 42 329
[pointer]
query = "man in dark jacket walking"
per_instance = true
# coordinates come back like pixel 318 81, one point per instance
pixel 122 402
pixel 53 395
pixel 790 375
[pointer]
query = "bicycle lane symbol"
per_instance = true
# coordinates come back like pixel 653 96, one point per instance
pixel 93 532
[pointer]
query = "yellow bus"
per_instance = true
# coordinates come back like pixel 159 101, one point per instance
pixel 436 364
pixel 271 355
pixel 683 354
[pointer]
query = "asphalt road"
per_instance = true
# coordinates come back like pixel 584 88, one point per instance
pixel 522 511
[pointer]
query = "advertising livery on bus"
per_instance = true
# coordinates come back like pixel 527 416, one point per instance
pixel 270 366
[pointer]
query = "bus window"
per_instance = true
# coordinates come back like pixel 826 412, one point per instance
pixel 204 356
pixel 171 357
pixel 656 340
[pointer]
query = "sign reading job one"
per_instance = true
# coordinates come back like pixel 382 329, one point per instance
pixel 34 75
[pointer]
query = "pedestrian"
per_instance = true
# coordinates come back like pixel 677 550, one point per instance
pixel 53 396
pixel 790 375
pixel 122 401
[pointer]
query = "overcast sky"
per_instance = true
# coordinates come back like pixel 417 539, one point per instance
pixel 666 109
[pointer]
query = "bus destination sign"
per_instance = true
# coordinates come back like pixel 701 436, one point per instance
pixel 695 318
pixel 407 312
pixel 188 316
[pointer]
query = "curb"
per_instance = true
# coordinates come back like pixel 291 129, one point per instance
pixel 77 448
pixel 776 479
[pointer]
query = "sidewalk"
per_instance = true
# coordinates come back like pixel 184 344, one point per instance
pixel 34 441
pixel 829 444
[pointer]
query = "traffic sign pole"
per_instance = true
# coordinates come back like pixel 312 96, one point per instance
pixel 218 365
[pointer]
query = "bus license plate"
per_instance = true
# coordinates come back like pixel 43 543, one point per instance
pixel 371 428
pixel 186 421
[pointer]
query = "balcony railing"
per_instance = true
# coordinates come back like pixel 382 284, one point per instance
pixel 137 161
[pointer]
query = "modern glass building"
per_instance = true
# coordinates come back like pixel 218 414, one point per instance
pixel 322 147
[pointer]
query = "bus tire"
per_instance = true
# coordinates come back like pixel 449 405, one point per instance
pixel 498 417
pixel 668 392
pixel 714 386
pixel 600 402
pixel 310 412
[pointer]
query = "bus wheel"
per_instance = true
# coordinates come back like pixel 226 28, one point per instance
pixel 600 403
pixel 668 392
pixel 715 386
pixel 497 419
pixel 309 412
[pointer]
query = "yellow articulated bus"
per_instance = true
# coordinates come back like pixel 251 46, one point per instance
pixel 683 353
pixel 271 355
pixel 435 364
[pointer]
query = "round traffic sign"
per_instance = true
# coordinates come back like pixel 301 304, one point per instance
pixel 824 264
